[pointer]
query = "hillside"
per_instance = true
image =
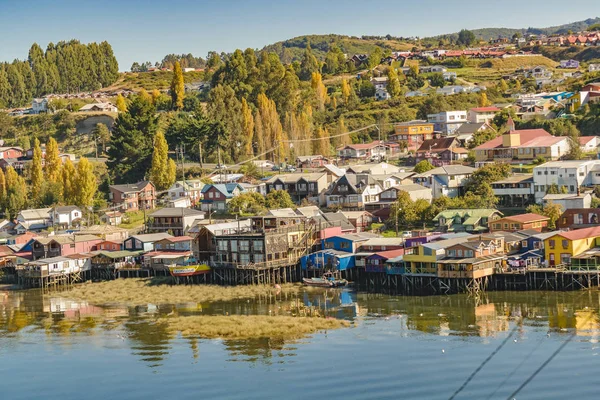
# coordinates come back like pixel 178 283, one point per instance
pixel 573 52
pixel 492 33
pixel 292 49
pixel 150 80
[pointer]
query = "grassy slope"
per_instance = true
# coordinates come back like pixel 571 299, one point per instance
pixel 151 80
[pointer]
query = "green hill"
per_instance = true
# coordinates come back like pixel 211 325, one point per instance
pixel 292 49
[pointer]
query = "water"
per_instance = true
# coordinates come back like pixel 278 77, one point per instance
pixel 396 348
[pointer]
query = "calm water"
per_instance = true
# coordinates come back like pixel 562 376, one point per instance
pixel 397 348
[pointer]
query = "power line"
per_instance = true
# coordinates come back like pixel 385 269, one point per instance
pixel 332 136
pixel 548 360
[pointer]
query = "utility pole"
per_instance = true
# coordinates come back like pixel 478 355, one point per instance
pixel 200 153
pixel 219 164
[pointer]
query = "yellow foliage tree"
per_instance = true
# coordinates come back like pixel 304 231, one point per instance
pixel 86 183
pixel 36 173
pixel 121 104
pixel 319 89
pixel 53 163
pixel 68 181
pixel 247 127
pixel 345 91
pixel 177 87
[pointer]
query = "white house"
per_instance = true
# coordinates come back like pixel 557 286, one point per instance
pixel 363 150
pixel 382 94
pixel 190 188
pixel 353 192
pixel 593 67
pixel 380 82
pixel 479 115
pixel 33 220
pixel 448 180
pixel 112 218
pixel 569 176
pixel 450 90
pixel 450 76
pixel 569 201
pixel 65 216
pixel 99 107
pixel 39 105
pixel 447 121
pixel 589 143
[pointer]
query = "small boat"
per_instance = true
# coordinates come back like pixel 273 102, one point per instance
pixel 327 280
pixel 188 270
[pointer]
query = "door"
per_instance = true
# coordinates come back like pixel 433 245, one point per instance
pixel 552 261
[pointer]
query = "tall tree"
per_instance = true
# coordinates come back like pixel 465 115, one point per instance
pixel 319 90
pixel 466 37
pixel 248 127
pixel 52 162
pixel 15 198
pixel 309 64
pixel 131 143
pixel 101 134
pixel 177 87
pixel 393 86
pixel 270 127
pixel 86 183
pixel 68 181
pixel 159 172
pixel 36 174
pixel 121 104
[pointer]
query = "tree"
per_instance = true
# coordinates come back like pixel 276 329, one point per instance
pixel 503 86
pixel 345 91
pixel 402 211
pixel 466 37
pixel 102 134
pixel 53 162
pixel 248 127
pixel 481 137
pixel 15 198
pixel 518 86
pixel 131 143
pixel 245 204
pixel 121 104
pixel 393 86
pixel 483 100
pixel 68 181
pixel 269 128
pixel 177 89
pixel 36 173
pixel 309 64
pixel 423 166
pixel 86 183
pixel 575 152
pixel 279 199
pixel 437 79
pixel 550 210
pixel 319 90
pixel 160 173
pixel 321 144
pixel 375 58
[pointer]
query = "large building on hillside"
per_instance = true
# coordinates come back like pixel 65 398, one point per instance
pixel 413 133
pixel 522 146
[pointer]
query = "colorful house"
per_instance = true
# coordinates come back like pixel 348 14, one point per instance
pixel 424 258
pixel 469 220
pixel 519 222
pixel 561 247
pixel 413 133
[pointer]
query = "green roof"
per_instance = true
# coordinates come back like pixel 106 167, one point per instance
pixel 472 220
pixel 469 213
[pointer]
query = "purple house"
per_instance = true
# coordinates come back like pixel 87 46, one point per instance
pixel 574 64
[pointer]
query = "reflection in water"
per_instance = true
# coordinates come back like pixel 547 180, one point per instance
pixel 145 328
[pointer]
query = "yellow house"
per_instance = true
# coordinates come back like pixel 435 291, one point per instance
pixel 561 247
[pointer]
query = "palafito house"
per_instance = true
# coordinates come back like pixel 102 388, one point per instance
pixel 423 258
pixel 520 222
pixel 561 247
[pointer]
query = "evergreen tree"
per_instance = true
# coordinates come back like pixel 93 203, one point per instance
pixel 101 134
pixel 279 199
pixel 159 172
pixel 52 161
pixel 177 87
pixel 309 64
pixel 36 174
pixel 131 142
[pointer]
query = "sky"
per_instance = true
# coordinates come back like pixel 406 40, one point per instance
pixel 147 30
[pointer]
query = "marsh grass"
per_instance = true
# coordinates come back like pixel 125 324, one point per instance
pixel 157 291
pixel 251 326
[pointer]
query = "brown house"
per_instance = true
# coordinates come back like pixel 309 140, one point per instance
pixel 133 196
pixel 520 222
pixel 439 151
pixel 576 218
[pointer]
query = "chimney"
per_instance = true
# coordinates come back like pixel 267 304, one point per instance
pixel 510 124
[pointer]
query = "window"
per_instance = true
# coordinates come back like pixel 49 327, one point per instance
pixel 572 188
pixel 539 172
pixel 451 253
pixel 329 245
pixel 459 253
pixel 545 172
pixel 524 243
pixel 565 244
pixel 551 243
pixel 258 258
pixel 234 245
pixel 552 172
pixel 258 245
pixel 344 245
pixel 222 245
pixel 244 245
pixel 505 225
pixel 244 258
pixel 565 258
pixel 210 195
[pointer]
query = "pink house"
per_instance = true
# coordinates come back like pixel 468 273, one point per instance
pixel 63 245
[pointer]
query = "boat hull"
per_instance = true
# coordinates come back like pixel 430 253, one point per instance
pixel 189 270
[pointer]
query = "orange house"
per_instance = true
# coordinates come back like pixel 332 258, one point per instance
pixel 519 222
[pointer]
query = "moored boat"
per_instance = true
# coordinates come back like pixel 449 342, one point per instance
pixel 189 270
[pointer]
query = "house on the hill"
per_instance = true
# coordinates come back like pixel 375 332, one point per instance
pixel 133 196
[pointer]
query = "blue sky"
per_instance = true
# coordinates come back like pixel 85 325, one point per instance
pixel 146 30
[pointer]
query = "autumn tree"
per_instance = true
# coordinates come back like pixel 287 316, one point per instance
pixel 68 181
pixel 269 128
pixel 345 91
pixel 86 183
pixel 15 198
pixel 319 90
pixel 36 173
pixel 393 86
pixel 162 172
pixel 177 89
pixel 483 100
pixel 121 104
pixel 53 162
pixel 550 210
pixel 248 128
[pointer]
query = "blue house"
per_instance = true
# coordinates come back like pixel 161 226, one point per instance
pixel 328 260
pixel 347 243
